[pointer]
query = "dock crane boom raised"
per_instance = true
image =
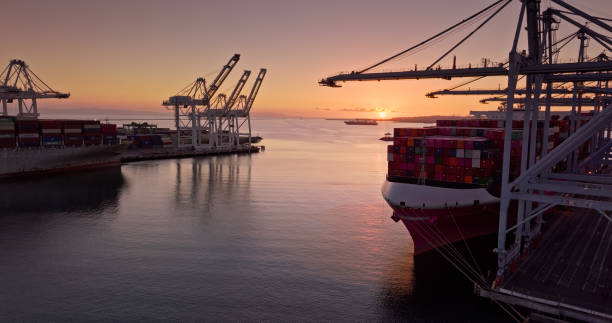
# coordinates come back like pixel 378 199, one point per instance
pixel 254 90
pixel 236 92
pixel 18 82
pixel 241 115
pixel 225 71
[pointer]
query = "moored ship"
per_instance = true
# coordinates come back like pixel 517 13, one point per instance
pixel 443 182
pixel 35 147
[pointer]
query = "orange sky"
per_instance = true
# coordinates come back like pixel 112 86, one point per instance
pixel 130 55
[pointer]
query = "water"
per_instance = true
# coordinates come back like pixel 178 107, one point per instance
pixel 299 232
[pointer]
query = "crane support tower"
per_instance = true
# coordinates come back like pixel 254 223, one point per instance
pixel 540 186
pixel 18 82
pixel 204 120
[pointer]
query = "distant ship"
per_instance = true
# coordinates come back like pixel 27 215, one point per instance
pixel 386 137
pixel 363 122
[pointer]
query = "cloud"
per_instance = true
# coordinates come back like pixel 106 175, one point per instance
pixel 323 109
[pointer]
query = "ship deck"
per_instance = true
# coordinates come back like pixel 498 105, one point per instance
pixel 570 270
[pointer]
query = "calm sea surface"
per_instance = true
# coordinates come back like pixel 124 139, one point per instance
pixel 299 232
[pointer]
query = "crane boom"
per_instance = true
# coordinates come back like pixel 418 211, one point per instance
pixel 236 92
pixel 20 82
pixel 469 72
pixel 488 92
pixel 227 68
pixel 255 90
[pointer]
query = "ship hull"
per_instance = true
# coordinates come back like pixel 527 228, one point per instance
pixel 38 162
pixel 437 216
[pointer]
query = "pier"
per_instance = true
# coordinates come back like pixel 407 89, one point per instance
pixel 166 153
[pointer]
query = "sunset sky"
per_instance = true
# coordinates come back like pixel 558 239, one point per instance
pixel 131 55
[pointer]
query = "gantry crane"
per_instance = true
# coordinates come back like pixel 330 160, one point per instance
pixel 219 116
pixel 198 110
pixel 191 101
pixel 18 82
pixel 241 115
pixel 539 186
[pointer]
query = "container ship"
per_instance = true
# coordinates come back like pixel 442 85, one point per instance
pixel 37 146
pixel 362 122
pixel 443 182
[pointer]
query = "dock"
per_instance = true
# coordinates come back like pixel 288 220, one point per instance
pixel 568 273
pixel 133 155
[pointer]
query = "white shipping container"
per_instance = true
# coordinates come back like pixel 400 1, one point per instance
pixel 28 135
pixel 459 153
pixel 5 136
pixel 390 157
pixel 475 163
pixel 475 154
pixel 75 130
pixel 51 131
pixel 91 126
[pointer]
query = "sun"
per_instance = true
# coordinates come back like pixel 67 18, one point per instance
pixel 382 114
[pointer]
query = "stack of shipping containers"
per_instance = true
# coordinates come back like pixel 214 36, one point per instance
pixel 28 133
pixel 92 133
pixel 463 152
pixel 51 133
pixel 7 133
pixel 73 132
pixel 109 133
pixel 32 133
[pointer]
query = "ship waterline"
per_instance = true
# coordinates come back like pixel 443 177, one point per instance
pixel 438 216
pixel 38 161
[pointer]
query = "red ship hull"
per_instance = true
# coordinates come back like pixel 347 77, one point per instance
pixel 436 228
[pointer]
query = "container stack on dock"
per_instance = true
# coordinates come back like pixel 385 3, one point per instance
pixel 149 141
pixel 464 151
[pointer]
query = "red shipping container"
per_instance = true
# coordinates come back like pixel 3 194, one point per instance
pixel 108 128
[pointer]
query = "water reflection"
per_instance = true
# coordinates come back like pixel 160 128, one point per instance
pixel 429 286
pixel 200 181
pixel 83 191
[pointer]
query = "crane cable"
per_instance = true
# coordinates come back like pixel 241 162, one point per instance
pixel 431 38
pixel 512 312
pixel 470 34
pixel 443 37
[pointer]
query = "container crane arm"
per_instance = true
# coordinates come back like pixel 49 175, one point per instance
pixel 227 68
pixel 254 90
pixel 18 81
pixel 236 92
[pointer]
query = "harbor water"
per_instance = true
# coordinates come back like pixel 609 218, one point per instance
pixel 298 232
